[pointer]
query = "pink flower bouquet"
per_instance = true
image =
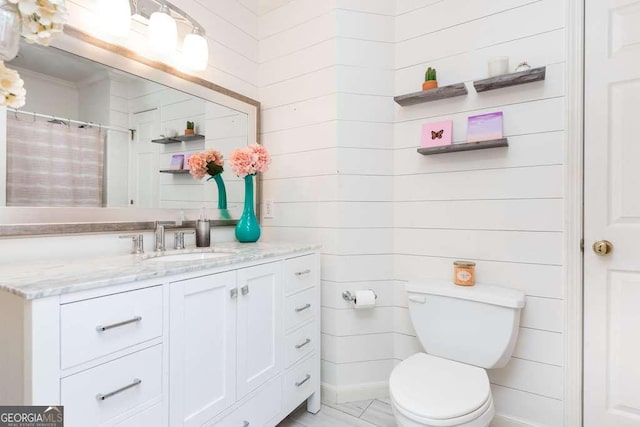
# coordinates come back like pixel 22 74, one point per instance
pixel 206 163
pixel 250 160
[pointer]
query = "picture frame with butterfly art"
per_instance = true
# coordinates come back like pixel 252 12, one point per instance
pixel 437 134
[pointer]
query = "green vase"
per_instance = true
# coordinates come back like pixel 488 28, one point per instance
pixel 248 228
pixel 222 191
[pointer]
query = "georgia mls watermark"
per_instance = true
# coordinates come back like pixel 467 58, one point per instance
pixel 31 416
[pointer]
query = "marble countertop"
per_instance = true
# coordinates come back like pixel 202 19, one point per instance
pixel 43 279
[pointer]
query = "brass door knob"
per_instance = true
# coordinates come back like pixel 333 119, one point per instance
pixel 602 247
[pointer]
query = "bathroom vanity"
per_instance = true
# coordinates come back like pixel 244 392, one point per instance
pixel 228 338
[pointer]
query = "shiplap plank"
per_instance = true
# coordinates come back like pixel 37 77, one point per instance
pixel 347 374
pixel 351 268
pixel 540 346
pixel 439 17
pixel 342 241
pixel 332 293
pixel 329 188
pixel 534 377
pixel 376 320
pixel 365 26
pixel 523 215
pixel 357 348
pixel 528 407
pixel 332 215
pixel 529 182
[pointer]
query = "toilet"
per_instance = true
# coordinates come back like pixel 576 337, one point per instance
pixel 464 331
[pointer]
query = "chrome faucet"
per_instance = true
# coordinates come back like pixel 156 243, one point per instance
pixel 159 234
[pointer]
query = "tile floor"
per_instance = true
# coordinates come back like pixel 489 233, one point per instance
pixel 365 413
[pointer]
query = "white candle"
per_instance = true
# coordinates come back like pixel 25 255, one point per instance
pixel 498 66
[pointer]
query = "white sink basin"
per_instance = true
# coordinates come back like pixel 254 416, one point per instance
pixel 196 256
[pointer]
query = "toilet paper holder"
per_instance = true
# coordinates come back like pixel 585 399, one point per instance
pixel 348 296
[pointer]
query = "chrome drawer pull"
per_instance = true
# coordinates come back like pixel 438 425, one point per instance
pixel 135 382
pixel 307 378
pixel 233 293
pixel 303 308
pixel 101 328
pixel 302 344
pixel 244 289
pixel 302 273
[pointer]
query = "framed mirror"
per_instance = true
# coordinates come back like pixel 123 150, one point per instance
pixel 104 138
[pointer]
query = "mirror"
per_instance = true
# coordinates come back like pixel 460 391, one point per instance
pixel 105 131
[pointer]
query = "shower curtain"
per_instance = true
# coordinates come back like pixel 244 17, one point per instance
pixel 53 164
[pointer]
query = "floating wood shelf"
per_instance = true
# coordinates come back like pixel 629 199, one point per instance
pixel 444 92
pixel 178 139
pixel 189 138
pixel 513 79
pixel 466 146
pixel 174 171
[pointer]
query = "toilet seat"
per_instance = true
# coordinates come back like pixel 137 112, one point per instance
pixel 439 392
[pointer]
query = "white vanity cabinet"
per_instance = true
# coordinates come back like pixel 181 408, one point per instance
pixel 234 345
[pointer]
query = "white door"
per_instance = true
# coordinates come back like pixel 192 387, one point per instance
pixel 202 348
pixel 143 165
pixel 259 325
pixel 612 213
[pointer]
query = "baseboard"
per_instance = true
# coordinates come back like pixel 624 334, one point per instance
pixel 351 393
pixel 502 421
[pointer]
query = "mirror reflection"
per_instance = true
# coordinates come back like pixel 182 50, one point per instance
pixel 93 136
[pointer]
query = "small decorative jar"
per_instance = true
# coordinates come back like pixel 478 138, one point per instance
pixel 464 273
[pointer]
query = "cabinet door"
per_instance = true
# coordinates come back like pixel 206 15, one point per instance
pixel 203 348
pixel 259 325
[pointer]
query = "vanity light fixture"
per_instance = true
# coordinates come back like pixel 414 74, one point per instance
pixel 162 31
pixel 195 50
pixel 115 17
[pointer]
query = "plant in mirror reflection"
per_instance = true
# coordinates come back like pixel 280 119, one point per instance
pixel 41 19
pixel 206 163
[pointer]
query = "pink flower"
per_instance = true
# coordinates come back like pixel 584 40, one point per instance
pixel 206 162
pixel 250 160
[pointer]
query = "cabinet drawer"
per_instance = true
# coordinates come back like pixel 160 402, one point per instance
pixel 150 417
pixel 96 327
pixel 300 343
pixel 100 394
pixel 299 308
pixel 259 409
pixel 300 382
pixel 300 273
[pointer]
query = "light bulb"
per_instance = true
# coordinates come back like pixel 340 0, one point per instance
pixel 195 51
pixel 163 32
pixel 115 16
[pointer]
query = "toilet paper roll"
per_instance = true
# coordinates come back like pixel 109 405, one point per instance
pixel 364 299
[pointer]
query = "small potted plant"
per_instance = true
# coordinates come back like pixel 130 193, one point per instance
pixel 191 129
pixel 430 80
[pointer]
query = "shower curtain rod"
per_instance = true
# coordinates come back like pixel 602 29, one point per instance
pixel 78 122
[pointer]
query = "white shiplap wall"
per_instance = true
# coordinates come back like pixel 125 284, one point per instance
pixel 326 91
pixel 328 71
pixel 502 207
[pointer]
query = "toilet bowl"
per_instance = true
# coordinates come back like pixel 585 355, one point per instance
pixel 427 390
pixel 464 331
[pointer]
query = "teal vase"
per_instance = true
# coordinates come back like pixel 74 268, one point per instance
pixel 222 191
pixel 248 228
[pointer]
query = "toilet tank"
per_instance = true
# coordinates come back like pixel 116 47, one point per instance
pixel 477 325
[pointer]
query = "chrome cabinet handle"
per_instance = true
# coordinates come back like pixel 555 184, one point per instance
pixel 302 344
pixel 246 424
pixel 244 289
pixel 233 293
pixel 101 328
pixel 303 308
pixel 135 382
pixel 302 273
pixel 306 378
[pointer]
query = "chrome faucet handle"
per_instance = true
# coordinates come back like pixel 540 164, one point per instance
pixel 159 234
pixel 138 242
pixel 178 238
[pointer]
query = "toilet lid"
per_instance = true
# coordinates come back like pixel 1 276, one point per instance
pixel 436 388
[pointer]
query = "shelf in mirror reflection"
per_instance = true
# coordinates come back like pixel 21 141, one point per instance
pixel 175 171
pixel 178 139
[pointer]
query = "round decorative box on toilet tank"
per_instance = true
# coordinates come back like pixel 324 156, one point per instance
pixel 246 163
